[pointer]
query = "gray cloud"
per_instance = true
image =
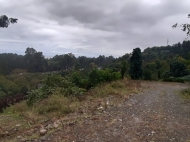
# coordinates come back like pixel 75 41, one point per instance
pixel 91 27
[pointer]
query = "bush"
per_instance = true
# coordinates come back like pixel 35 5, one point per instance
pixel 186 78
pixel 8 87
pixel 147 74
pixel 173 79
pixel 101 76
pixel 51 84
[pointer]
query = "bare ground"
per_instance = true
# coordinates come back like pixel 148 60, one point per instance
pixel 158 114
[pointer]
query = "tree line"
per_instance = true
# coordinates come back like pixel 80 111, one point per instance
pixel 34 61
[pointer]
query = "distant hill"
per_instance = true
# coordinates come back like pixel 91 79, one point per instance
pixel 164 52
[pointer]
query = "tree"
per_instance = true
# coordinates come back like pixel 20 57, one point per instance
pixel 136 64
pixel 123 68
pixel 5 21
pixel 185 27
pixel 147 74
pixel 34 60
pixel 178 69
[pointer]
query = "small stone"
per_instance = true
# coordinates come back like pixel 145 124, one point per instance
pixel 130 105
pixel 119 106
pixel 18 125
pixel 43 131
pixel 19 137
pixel 6 132
pixel 55 125
pixel 43 138
pixel 153 132
pixel 100 108
pixel 107 103
pixel 58 122
pixel 23 140
pixel 50 126
pixel 120 120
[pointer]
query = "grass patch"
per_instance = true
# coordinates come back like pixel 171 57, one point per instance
pixel 17 108
pixel 185 94
pixel 55 103
pixel 119 88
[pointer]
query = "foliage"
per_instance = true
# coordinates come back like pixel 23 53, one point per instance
pixel 166 74
pixel 173 79
pixel 154 63
pixel 79 79
pixel 24 90
pixel 123 68
pixel 178 69
pixel 119 88
pixel 51 84
pixel 35 61
pixel 5 21
pixel 136 64
pixel 7 87
pixel 186 78
pixel 99 76
pixel 150 71
pixel 185 27
pixel 147 74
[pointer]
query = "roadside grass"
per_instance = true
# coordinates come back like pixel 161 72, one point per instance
pixel 185 94
pixel 119 88
pixel 57 106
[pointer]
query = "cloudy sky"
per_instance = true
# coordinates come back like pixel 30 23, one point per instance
pixel 91 27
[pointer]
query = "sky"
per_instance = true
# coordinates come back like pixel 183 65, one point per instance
pixel 91 27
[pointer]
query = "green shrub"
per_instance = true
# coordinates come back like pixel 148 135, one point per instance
pixel 51 84
pixel 8 87
pixel 173 79
pixel 186 78
pixel 147 74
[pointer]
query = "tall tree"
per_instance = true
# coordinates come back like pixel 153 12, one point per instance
pixel 34 60
pixel 5 21
pixel 136 64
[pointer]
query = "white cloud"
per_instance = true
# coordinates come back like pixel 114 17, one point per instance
pixel 91 27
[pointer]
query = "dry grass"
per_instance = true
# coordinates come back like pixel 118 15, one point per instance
pixel 55 103
pixel 17 108
pixel 120 88
pixel 185 94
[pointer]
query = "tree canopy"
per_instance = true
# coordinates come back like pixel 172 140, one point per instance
pixel 136 64
pixel 185 27
pixel 5 21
